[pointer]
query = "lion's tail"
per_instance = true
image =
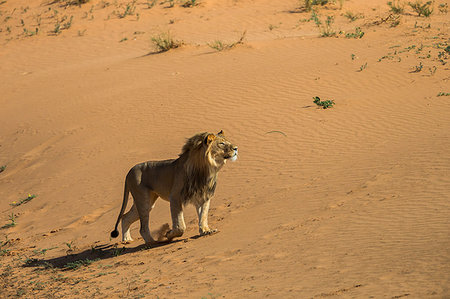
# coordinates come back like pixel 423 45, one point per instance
pixel 126 192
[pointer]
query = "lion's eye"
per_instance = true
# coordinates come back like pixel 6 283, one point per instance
pixel 221 143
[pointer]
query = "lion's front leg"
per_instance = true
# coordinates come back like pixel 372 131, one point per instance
pixel 202 212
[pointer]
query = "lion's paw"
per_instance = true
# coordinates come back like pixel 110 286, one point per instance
pixel 208 232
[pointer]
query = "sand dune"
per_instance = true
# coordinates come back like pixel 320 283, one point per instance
pixel 350 201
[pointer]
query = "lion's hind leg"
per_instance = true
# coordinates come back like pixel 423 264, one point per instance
pixel 129 218
pixel 144 200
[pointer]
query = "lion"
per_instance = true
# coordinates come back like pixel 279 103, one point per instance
pixel 189 179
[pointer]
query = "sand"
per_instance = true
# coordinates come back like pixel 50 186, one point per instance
pixel 349 201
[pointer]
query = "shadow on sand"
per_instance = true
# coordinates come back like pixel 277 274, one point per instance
pixel 89 256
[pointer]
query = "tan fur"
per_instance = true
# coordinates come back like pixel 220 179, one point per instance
pixel 191 178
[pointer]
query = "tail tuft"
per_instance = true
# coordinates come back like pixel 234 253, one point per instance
pixel 114 233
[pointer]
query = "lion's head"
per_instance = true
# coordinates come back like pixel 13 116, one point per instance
pixel 204 154
pixel 212 149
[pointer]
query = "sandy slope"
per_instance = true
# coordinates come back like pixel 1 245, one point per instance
pixel 350 201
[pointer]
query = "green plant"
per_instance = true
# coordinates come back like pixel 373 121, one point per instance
pixel 190 3
pixel 351 16
pixel 443 8
pixel 308 4
pixel 68 24
pixel 362 67
pixel 432 70
pixel 43 251
pixel 353 56
pixel 30 33
pixel 396 6
pixel 12 218
pixel 151 3
pixel 2 168
pixel 24 200
pixel 220 46
pixel 324 104
pixel 422 9
pixel 130 8
pixel 117 251
pixel 69 245
pixel 443 94
pixel 123 39
pixel 315 18
pixel 77 264
pixel 357 34
pixel 327 30
pixel 417 68
pixel 164 42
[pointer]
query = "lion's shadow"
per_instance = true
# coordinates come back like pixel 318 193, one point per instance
pixel 87 257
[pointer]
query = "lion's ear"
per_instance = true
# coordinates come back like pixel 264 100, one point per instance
pixel 221 133
pixel 209 138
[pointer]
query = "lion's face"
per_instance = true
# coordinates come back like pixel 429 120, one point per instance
pixel 220 149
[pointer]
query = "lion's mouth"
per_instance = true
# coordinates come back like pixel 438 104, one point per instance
pixel 233 157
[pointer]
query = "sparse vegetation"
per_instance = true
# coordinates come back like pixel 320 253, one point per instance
pixel 443 94
pixel 396 6
pixel 69 246
pixel 327 30
pixel 417 68
pixel 151 3
pixel 443 8
pixel 351 16
pixel 12 219
pixel 43 251
pixel 130 8
pixel 190 3
pixel 23 200
pixel 164 42
pixel 422 9
pixel 324 104
pixel 362 67
pixel 357 34
pixel 220 46
pixel 77 264
pixel 2 168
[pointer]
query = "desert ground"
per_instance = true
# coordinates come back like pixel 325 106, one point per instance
pixel 348 201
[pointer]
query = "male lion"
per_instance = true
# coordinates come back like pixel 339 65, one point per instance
pixel 191 178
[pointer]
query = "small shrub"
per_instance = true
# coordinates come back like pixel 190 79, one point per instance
pixel 324 104
pixel 327 30
pixel 164 42
pixel 2 168
pixel 357 34
pixel 220 46
pixel 351 16
pixel 396 6
pixel 443 94
pixel 424 9
pixel 130 8
pixel 12 219
pixel 24 200
pixel 308 4
pixel 417 68
pixel 362 67
pixel 190 3
pixel 151 3
pixel 443 8
pixel 77 264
